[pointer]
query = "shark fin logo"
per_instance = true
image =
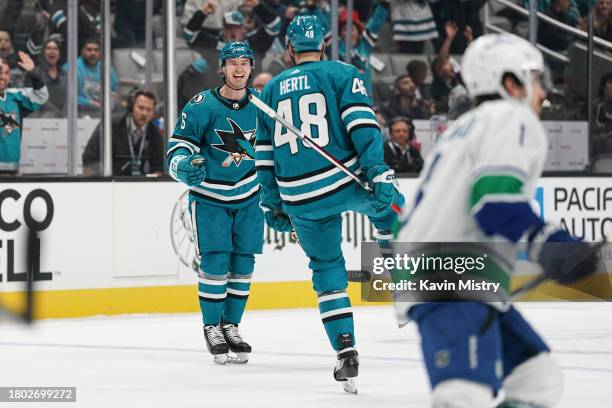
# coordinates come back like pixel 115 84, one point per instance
pixel 237 143
pixel 8 121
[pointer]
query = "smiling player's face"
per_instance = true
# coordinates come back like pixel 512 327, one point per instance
pixel 237 72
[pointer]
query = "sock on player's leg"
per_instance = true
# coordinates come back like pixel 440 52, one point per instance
pixel 337 315
pixel 238 286
pixel 212 286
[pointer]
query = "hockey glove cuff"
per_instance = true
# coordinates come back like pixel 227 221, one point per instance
pixel 382 179
pixel 188 169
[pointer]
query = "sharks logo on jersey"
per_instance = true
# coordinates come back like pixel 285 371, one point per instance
pixel 239 144
pixel 8 121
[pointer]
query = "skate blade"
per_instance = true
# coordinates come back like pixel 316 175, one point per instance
pixel 220 359
pixel 238 358
pixel 349 385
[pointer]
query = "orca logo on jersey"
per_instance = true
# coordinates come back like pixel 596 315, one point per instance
pixel 199 98
pixel 239 144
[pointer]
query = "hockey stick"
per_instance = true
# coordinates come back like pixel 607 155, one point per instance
pixel 274 115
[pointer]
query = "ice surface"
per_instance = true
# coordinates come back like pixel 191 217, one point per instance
pixel 160 360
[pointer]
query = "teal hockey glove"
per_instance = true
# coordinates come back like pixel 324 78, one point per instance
pixel 188 169
pixel 382 180
pixel 278 220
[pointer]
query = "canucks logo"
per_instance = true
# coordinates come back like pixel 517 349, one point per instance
pixel 8 121
pixel 237 143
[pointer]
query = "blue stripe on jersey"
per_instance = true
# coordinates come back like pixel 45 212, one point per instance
pixel 509 220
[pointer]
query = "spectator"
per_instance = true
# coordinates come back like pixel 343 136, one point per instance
pixel 214 21
pixel 55 79
pixel 445 69
pixel 261 80
pixel 89 69
pixel 552 37
pixel 138 148
pixel 260 37
pixel 7 52
pixel 193 79
pixel 459 100
pixel 602 116
pixel 602 21
pixel 463 13
pixel 89 21
pixel 14 105
pixel 10 10
pixel 279 64
pixel 418 72
pixel 401 153
pixel 404 101
pixel 413 24
pixel 130 23
pixel 363 39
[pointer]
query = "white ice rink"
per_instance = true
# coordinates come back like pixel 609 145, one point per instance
pixel 159 360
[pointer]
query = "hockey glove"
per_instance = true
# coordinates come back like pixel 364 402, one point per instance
pixel 278 220
pixel 382 179
pixel 564 258
pixel 188 169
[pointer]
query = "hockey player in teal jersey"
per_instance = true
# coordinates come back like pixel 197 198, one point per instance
pixel 300 189
pixel 212 152
pixel 14 104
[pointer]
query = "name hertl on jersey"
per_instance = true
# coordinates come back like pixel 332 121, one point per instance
pixel 327 101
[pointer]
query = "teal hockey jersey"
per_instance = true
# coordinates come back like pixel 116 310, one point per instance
pixel 327 100
pixel 13 103
pixel 223 132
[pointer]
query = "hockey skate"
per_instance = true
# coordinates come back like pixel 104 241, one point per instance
pixel 237 345
pixel 216 344
pixel 347 367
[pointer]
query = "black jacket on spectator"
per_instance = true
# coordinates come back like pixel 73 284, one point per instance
pixel 393 108
pixel 409 161
pixel 56 104
pixel 152 156
pixel 551 36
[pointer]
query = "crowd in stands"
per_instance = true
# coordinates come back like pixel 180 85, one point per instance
pixel 421 42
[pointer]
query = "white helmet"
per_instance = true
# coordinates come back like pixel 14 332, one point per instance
pixel 491 56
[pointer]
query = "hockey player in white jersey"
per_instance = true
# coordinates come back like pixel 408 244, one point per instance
pixel 477 187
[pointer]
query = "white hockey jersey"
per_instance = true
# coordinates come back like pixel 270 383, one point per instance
pixel 493 154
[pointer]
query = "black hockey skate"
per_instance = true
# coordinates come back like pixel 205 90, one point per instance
pixel 216 344
pixel 347 367
pixel 236 343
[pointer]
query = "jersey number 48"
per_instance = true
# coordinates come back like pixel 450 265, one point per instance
pixel 308 119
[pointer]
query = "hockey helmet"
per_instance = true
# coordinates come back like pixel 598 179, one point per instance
pixel 236 49
pixel 490 57
pixel 306 34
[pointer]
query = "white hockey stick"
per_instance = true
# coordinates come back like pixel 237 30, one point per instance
pixel 289 126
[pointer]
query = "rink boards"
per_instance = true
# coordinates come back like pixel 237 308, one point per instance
pixel 107 247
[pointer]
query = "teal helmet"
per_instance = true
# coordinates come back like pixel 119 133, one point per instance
pixel 236 49
pixel 306 34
